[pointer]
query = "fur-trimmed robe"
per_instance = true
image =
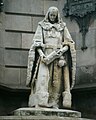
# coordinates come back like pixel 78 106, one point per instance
pixel 40 89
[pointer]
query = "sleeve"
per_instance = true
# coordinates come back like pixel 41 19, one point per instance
pixel 37 42
pixel 68 41
pixel 67 36
pixel 38 35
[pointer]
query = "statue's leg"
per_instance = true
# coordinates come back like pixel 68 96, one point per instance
pixel 55 85
pixel 66 93
pixel 40 97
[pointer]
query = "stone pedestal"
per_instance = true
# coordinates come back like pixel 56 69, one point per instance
pixel 48 113
pixel 44 114
pixel 39 118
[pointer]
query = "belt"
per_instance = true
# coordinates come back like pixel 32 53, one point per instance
pixel 52 46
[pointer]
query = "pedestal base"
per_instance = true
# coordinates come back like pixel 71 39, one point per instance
pixel 46 112
pixel 39 118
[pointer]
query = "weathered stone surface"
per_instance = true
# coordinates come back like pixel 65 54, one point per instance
pixel 49 3
pixel 23 6
pixel 57 3
pixel 23 74
pixel 61 6
pixel 78 41
pixel 89 41
pixel 37 7
pixel 18 23
pixel 47 112
pixel 35 22
pixel 1 38
pixel 12 40
pixel 12 76
pixel 24 58
pixel 27 40
pixel 1 73
pixel 73 35
pixel 91 38
pixel 72 25
pixel 12 57
pixel 50 41
pixel 2 20
pixel 87 57
pixel 39 118
pixel 1 56
pixel 15 57
pixel 86 75
pixel 92 24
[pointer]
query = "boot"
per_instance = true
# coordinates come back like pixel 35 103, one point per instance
pixel 66 99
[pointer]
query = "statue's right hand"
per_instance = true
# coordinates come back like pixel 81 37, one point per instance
pixel 42 55
pixel 42 58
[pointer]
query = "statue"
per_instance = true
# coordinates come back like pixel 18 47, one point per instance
pixel 51 63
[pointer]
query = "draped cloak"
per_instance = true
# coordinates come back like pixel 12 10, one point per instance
pixel 38 42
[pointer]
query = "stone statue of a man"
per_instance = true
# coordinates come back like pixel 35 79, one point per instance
pixel 51 63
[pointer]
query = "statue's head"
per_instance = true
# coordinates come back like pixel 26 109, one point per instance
pixel 52 15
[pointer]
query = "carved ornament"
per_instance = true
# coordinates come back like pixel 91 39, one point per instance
pixel 83 11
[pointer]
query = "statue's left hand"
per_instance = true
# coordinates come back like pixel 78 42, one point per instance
pixel 61 63
pixel 42 55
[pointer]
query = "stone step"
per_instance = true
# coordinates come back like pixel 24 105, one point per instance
pixel 43 114
pixel 39 118
pixel 46 112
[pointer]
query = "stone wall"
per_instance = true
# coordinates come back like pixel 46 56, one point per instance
pixel 18 23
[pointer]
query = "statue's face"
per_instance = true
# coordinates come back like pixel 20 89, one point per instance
pixel 52 16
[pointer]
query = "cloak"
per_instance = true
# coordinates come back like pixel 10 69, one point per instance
pixel 38 42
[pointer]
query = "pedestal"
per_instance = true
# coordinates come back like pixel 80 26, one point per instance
pixel 43 114
pixel 46 112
